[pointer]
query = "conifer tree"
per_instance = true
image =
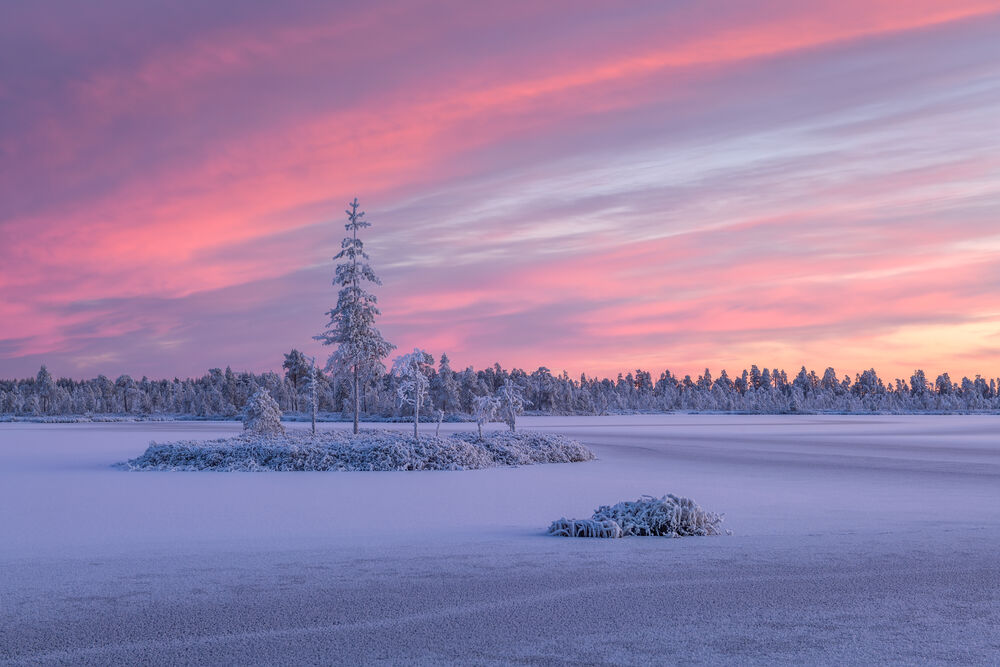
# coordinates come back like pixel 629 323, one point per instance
pixel 360 346
pixel 46 387
pixel 296 370
pixel 262 416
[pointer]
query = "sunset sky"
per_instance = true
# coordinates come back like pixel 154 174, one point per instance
pixel 592 187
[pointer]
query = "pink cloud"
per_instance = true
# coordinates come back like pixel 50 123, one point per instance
pixel 211 162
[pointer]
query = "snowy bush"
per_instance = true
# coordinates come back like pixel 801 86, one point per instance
pixel 510 448
pixel 369 450
pixel 585 528
pixel 668 516
pixel 262 415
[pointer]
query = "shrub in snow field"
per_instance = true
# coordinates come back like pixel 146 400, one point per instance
pixel 369 450
pixel 262 415
pixel 585 528
pixel 668 516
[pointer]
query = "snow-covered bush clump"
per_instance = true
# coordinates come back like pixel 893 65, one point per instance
pixel 369 450
pixel 585 528
pixel 514 448
pixel 668 516
pixel 262 415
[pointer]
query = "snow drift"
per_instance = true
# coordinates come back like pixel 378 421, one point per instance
pixel 669 516
pixel 369 451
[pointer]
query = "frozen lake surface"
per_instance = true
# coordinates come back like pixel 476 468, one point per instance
pixel 856 540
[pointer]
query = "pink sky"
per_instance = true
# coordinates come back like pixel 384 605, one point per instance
pixel 593 187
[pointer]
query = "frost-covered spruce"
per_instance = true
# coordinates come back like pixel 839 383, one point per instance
pixel 262 415
pixel 360 346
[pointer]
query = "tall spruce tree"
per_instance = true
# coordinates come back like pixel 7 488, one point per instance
pixel 360 346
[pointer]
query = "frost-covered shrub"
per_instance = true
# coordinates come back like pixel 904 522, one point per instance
pixel 668 516
pixel 585 528
pixel 369 450
pixel 512 448
pixel 262 416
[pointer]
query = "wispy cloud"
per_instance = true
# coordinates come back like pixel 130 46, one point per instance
pixel 585 186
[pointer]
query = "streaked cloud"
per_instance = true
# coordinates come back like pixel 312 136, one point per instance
pixel 577 185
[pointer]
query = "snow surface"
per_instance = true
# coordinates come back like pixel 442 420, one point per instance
pixel 856 540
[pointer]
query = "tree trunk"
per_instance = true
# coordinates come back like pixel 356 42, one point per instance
pixel 312 392
pixel 357 403
pixel 416 419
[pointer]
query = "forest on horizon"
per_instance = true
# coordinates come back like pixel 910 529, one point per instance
pixel 224 393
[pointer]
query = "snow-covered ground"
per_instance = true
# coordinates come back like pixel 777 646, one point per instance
pixel 856 540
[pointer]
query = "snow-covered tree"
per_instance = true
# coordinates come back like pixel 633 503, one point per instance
pixel 262 416
pixel 484 410
pixel 126 386
pixel 45 388
pixel 313 395
pixel 360 346
pixel 511 401
pixel 411 371
pixel 297 371
pixel 225 393
pixel 444 387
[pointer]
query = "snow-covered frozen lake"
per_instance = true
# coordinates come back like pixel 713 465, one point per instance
pixel 856 540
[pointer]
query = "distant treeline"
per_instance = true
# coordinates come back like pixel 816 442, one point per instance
pixel 224 393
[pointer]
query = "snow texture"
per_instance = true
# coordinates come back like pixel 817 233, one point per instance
pixel 857 541
pixel 669 516
pixel 369 451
